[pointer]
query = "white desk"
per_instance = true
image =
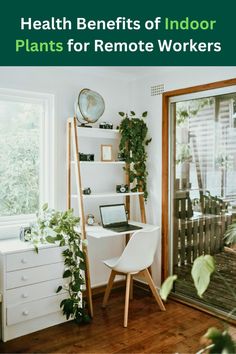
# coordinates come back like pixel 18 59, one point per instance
pixel 101 232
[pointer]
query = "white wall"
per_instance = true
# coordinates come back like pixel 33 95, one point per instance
pixel 65 83
pixel 123 89
pixel 141 100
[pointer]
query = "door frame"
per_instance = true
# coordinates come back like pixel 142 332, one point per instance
pixel 165 161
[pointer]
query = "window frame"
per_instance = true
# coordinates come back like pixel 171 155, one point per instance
pixel 10 225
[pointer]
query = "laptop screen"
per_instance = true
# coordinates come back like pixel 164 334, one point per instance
pixel 113 214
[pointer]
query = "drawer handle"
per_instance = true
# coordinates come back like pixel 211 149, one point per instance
pixel 25 295
pixel 24 277
pixel 23 261
pixel 25 313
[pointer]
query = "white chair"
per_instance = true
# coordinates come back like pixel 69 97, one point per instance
pixel 136 258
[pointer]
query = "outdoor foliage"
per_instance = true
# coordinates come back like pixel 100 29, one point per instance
pixel 59 227
pixel 19 158
pixel 133 145
pixel 230 235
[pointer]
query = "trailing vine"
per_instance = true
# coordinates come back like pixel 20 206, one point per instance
pixel 57 227
pixel 133 147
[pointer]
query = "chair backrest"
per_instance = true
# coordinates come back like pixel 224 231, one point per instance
pixel 139 252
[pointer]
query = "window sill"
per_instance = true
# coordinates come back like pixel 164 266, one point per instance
pixel 11 229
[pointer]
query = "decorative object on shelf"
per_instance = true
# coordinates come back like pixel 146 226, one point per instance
pixel 120 156
pixel 86 157
pixel 90 219
pixel 59 227
pixel 87 191
pixel 122 188
pixel 24 231
pixel 133 145
pixel 106 125
pixel 106 153
pixel 89 107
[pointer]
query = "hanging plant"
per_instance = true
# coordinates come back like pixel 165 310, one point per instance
pixel 59 228
pixel 133 147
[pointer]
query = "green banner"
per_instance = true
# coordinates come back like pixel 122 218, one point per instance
pixel 150 33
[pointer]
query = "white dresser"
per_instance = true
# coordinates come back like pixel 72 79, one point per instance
pixel 28 284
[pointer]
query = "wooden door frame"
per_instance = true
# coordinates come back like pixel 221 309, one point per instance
pixel 165 160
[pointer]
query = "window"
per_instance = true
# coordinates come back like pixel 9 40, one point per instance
pixel 26 157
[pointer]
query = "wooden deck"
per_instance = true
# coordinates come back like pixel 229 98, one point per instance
pixel 218 294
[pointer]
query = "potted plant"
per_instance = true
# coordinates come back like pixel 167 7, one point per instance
pixel 132 146
pixel 59 228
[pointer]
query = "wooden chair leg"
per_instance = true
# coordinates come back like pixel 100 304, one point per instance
pixel 108 288
pixel 153 289
pixel 131 293
pixel 127 300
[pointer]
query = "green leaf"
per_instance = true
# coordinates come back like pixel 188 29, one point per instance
pixel 67 273
pixel 59 289
pixel 62 243
pixel 80 254
pixel 82 266
pixel 144 115
pixel 58 237
pixel 148 141
pixel 222 341
pixel 122 114
pixel 167 286
pixel 45 207
pixel 50 239
pixel 132 113
pixel 202 269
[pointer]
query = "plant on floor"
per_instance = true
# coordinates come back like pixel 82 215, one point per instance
pixel 133 144
pixel 216 341
pixel 59 228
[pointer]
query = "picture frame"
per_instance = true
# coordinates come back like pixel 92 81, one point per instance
pixel 106 153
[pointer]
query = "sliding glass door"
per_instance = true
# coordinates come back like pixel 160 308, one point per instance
pixel 202 176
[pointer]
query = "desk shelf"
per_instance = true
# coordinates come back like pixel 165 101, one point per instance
pixel 107 195
pixel 98 231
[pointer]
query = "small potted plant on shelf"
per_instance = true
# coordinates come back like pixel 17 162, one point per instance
pixel 57 227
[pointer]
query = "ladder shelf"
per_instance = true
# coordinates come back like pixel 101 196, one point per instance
pixel 74 133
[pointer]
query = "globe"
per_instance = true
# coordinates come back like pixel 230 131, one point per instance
pixel 89 106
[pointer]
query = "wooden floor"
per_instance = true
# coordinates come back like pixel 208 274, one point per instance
pixel 149 331
pixel 218 294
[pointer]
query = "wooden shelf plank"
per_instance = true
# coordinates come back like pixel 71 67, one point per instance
pixel 105 195
pixel 100 162
pixel 98 133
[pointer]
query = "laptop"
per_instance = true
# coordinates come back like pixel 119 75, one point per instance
pixel 114 218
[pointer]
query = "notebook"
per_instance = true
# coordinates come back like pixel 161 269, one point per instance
pixel 114 218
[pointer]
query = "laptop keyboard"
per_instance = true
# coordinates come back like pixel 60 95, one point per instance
pixel 125 228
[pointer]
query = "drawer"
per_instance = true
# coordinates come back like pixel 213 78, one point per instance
pixel 35 275
pixel 33 292
pixel 33 309
pixel 28 259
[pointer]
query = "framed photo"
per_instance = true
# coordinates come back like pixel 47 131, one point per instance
pixel 106 153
